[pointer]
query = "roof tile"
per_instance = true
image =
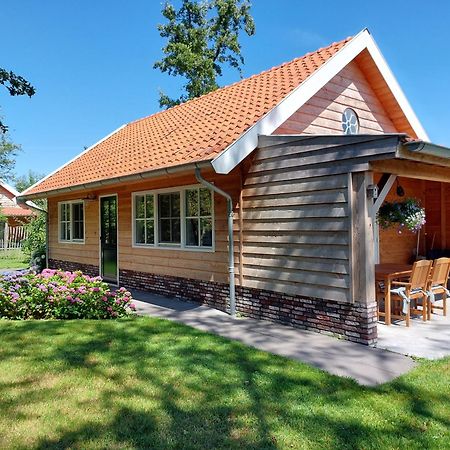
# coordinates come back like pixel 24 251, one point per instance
pixel 194 131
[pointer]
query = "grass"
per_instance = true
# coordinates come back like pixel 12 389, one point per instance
pixel 144 383
pixel 13 259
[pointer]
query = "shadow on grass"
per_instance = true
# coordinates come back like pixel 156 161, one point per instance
pixel 146 383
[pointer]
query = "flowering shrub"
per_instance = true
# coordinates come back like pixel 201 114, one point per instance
pixel 407 214
pixel 55 294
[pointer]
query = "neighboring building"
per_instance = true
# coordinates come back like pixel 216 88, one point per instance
pixel 297 148
pixel 14 212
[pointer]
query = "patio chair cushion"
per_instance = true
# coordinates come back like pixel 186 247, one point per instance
pixel 401 291
pixel 431 295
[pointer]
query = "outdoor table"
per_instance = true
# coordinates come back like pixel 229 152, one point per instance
pixel 387 273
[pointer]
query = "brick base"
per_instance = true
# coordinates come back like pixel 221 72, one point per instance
pixel 354 322
pixel 88 269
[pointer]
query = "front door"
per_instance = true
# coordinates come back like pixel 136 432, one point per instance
pixel 108 238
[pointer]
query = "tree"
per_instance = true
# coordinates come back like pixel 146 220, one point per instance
pixel 16 85
pixel 25 181
pixel 8 151
pixel 202 37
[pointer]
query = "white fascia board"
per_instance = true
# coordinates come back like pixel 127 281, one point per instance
pixel 229 158
pixel 24 193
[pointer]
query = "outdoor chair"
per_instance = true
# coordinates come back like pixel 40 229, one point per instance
pixel 437 285
pixel 408 294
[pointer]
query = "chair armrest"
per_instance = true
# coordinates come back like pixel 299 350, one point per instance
pixel 400 283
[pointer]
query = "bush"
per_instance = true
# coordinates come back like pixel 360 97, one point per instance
pixel 34 244
pixel 55 294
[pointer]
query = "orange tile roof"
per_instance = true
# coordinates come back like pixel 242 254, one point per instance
pixel 197 130
pixel 16 211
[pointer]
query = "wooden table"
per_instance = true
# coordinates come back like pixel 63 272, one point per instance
pixel 387 273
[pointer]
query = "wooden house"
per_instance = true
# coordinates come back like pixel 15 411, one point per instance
pixel 259 197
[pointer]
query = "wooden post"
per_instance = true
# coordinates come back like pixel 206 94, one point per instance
pixel 362 242
pixel 6 237
pixel 443 219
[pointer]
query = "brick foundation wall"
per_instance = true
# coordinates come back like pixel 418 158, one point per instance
pixel 354 322
pixel 88 269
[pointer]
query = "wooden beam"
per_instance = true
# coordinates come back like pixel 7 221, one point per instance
pixel 412 169
pixel 362 251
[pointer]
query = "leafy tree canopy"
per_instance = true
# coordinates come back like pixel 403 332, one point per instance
pixel 8 152
pixel 25 181
pixel 16 85
pixel 202 37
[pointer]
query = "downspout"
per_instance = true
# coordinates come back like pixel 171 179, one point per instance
pixel 47 234
pixel 211 186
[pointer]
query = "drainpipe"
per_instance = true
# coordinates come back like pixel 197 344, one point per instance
pixel 211 186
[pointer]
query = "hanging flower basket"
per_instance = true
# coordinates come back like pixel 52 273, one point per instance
pixel 405 214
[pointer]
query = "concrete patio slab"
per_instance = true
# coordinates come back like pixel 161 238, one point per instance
pixel 369 366
pixel 429 339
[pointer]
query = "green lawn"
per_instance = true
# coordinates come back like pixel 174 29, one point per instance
pixel 150 383
pixel 13 259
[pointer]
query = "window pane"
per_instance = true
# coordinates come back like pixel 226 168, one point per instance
pixel 175 204
pixel 206 232
pixel 164 205
pixel 164 230
pixel 139 206
pixel 192 203
pixel 139 232
pixel 78 230
pixel 205 202
pixel 192 232
pixel 77 211
pixel 176 231
pixel 149 206
pixel 150 227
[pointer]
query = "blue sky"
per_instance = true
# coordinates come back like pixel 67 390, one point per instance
pixel 91 62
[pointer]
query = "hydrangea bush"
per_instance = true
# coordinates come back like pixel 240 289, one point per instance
pixel 408 213
pixel 55 294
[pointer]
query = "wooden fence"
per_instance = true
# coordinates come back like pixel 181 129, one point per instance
pixel 11 237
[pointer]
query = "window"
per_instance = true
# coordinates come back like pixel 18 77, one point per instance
pixel 180 219
pixel 71 221
pixel 169 218
pixel 198 217
pixel 144 219
pixel 350 122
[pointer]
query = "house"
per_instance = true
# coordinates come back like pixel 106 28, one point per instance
pixel 260 196
pixel 13 216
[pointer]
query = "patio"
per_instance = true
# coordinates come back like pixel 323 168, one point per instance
pixel 429 339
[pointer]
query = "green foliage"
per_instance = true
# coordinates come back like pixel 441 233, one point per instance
pixel 25 181
pixel 408 213
pixel 8 152
pixel 55 294
pixel 202 37
pixel 16 85
pixel 34 246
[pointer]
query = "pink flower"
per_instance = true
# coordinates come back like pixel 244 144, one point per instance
pixel 133 306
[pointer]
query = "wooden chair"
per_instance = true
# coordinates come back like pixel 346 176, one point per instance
pixel 411 292
pixel 438 284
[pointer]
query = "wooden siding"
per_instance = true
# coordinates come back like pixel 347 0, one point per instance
pixel 297 227
pixel 203 265
pixel 322 114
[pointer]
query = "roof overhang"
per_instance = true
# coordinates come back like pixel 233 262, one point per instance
pixel 247 143
pixel 156 173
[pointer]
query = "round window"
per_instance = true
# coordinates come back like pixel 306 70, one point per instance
pixel 350 122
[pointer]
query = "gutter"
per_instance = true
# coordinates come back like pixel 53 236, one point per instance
pixel 427 148
pixel 121 179
pixel 211 186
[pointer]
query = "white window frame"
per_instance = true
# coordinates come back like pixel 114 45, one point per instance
pixel 71 240
pixel 171 246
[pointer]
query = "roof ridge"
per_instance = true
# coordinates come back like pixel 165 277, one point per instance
pixel 279 66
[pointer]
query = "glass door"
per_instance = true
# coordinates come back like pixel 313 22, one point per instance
pixel 108 238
